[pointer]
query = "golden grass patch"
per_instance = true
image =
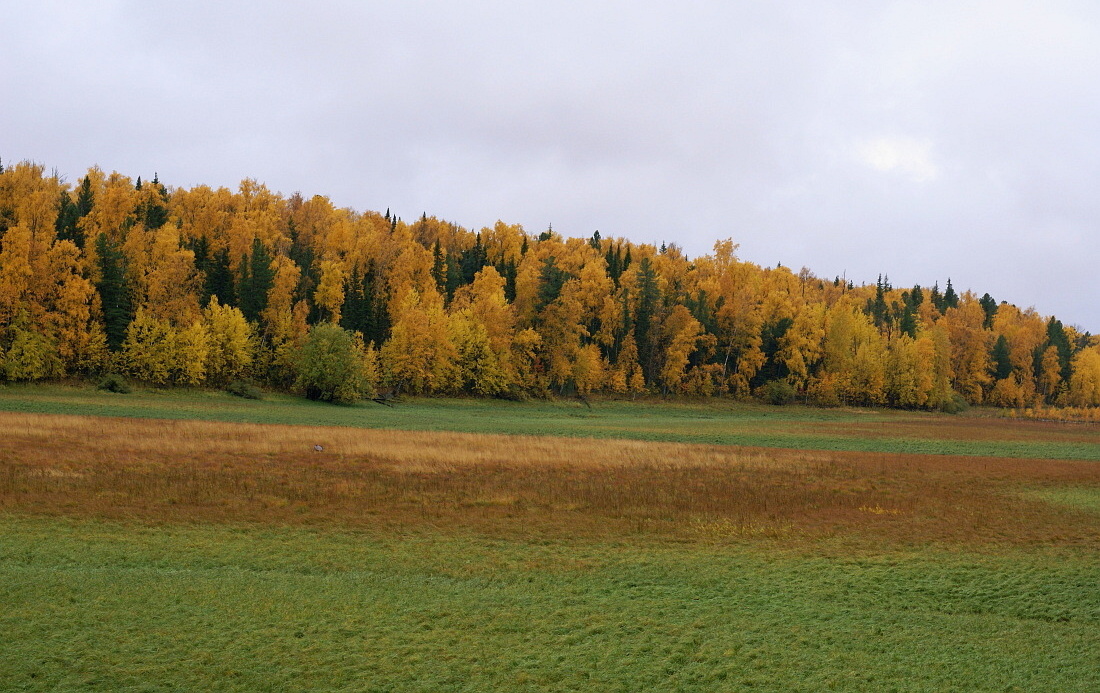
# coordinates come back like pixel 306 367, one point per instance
pixel 172 471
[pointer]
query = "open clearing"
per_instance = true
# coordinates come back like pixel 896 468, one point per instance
pixel 178 553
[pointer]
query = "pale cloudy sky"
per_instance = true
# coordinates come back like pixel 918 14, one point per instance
pixel 923 140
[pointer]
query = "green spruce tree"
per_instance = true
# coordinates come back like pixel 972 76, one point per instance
pixel 114 291
pixel 257 277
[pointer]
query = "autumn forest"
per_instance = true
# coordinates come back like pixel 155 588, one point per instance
pixel 209 287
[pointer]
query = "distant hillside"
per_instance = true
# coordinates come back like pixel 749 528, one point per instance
pixel 207 287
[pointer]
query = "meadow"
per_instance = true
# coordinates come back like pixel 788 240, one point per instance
pixel 471 546
pixel 714 422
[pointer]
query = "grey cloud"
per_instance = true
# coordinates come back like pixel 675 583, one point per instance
pixel 686 123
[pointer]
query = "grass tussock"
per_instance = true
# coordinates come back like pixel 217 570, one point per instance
pixel 196 471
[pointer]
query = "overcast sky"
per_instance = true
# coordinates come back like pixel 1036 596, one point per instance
pixel 923 140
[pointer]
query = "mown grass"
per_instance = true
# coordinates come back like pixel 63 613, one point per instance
pixel 104 606
pixel 715 423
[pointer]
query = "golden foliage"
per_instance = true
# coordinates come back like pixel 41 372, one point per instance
pixel 487 312
pixel 229 343
pixel 420 355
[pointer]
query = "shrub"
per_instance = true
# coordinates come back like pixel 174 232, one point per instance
pixel 30 355
pixel 333 365
pixel 778 392
pixel 954 403
pixel 240 388
pixel 513 393
pixel 113 382
pixel 823 392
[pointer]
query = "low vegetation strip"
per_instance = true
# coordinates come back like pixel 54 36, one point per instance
pixel 792 428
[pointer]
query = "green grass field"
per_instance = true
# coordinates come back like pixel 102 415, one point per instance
pixel 260 586
pixel 95 606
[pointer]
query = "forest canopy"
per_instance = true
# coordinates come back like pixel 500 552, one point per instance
pixel 206 287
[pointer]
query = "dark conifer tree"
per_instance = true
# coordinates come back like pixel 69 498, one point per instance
pixel 649 297
pixel 551 280
pixel 936 298
pixel 85 199
pixel 612 258
pixel 364 307
pixel 153 211
pixel 877 306
pixel 114 291
pixel 508 271
pixel 68 218
pixel 472 261
pixel 1056 337
pixel 301 253
pixel 950 298
pixel 770 334
pixel 376 326
pixel 219 279
pixel 1001 357
pixel 916 297
pixel 440 268
pixel 201 248
pixel 257 277
pixel 70 213
pixel 353 314
pixel 908 321
pixel 699 306
pixel 989 305
pixel 453 276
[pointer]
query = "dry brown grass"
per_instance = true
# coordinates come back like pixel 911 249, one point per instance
pixel 179 471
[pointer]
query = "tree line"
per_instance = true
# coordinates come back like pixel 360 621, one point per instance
pixel 204 287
